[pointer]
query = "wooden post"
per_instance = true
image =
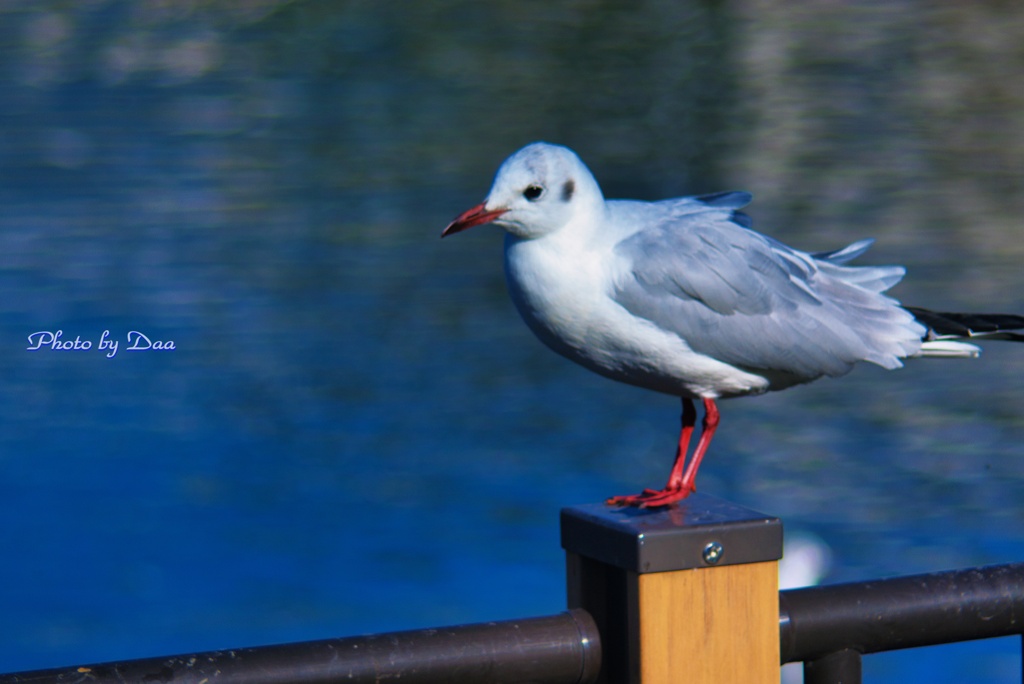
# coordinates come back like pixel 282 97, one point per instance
pixel 685 593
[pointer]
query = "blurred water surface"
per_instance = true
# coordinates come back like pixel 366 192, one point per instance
pixel 354 432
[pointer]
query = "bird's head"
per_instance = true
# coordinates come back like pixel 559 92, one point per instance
pixel 537 191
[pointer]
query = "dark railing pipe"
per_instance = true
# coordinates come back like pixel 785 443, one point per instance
pixel 557 649
pixel 902 612
pixel 828 628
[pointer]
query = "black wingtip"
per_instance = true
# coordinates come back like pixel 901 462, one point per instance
pixel 970 324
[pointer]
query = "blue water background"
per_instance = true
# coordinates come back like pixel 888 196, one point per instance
pixel 354 431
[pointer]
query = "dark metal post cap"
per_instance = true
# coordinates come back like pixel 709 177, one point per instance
pixel 700 531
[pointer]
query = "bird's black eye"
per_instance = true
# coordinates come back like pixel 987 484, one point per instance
pixel 533 192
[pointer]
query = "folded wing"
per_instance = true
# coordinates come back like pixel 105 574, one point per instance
pixel 698 271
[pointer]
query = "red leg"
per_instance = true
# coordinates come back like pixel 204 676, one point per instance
pixel 681 483
pixel 708 428
pixel 688 420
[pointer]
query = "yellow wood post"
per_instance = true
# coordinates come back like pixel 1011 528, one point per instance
pixel 684 594
pixel 710 625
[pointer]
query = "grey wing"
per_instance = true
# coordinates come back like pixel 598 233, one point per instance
pixel 750 301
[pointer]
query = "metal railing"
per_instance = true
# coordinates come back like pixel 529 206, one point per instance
pixel 828 628
pixel 558 649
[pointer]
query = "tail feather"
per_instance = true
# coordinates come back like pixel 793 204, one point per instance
pixel 949 349
pixel 944 326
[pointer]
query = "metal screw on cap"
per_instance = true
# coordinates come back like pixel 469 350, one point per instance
pixel 713 553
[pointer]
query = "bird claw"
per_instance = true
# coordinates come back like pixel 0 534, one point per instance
pixel 651 498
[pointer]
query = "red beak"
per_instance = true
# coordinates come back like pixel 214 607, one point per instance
pixel 471 217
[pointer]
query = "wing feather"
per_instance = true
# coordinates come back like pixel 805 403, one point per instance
pixel 751 301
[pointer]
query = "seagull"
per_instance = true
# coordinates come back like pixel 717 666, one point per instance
pixel 682 297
